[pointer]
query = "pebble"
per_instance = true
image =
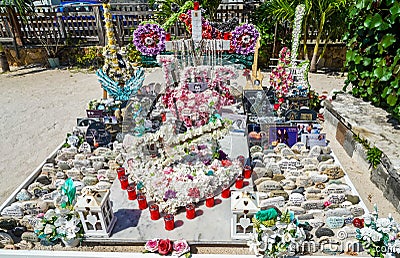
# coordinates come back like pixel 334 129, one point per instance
pixel 354 199
pixel 313 204
pixel 324 157
pixel 6 239
pixel 7 223
pixel 338 212
pixel 24 245
pixel 90 180
pixel 299 190
pixel 44 180
pixel 268 185
pixel 276 193
pixel 23 195
pixel 30 237
pixel 14 211
pixel 324 232
pixel 288 184
pixel 18 231
pixel 278 177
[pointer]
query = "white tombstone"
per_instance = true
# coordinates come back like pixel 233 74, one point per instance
pixel 244 207
pixel 96 213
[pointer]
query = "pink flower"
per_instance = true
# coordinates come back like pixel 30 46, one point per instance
pixel 327 203
pixel 168 170
pixel 180 247
pixel 152 245
pixel 164 246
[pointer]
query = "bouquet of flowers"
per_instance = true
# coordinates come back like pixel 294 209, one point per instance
pixel 275 235
pixel 165 247
pixel 379 235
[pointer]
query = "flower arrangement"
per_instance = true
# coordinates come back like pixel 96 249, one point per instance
pixel 175 16
pixel 244 39
pixel 149 39
pixel 298 18
pixel 165 247
pixel 107 105
pixel 379 235
pixel 274 235
pixel 208 31
pixel 280 78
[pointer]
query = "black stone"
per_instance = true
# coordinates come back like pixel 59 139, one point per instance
pixel 46 242
pixel 17 231
pixel 7 223
pixel 324 157
pixel 299 190
pixel 324 232
pixel 305 226
pixel 309 236
pixel 43 180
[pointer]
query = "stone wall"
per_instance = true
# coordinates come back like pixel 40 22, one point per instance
pixel 334 57
pixel 27 56
pixel 348 117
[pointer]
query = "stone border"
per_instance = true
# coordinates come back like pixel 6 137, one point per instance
pixel 385 176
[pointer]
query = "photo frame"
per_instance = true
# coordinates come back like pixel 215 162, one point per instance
pixel 282 134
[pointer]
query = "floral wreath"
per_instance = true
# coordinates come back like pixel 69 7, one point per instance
pixel 149 39
pixel 244 39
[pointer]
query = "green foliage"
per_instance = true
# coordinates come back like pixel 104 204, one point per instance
pixel 90 58
pixel 374 156
pixel 373 56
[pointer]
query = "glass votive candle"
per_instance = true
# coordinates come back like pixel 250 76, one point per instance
pixel 141 198
pixel 163 117
pixel 167 36
pixel 120 172
pixel 210 201
pixel 124 182
pixel 190 211
pixel 247 171
pixel 131 192
pixel 154 212
pixel 239 182
pixel 226 192
pixel 169 222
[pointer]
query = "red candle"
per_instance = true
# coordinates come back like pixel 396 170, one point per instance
pixel 168 37
pixel 196 5
pixel 154 212
pixel 169 222
pixel 131 193
pixel 226 35
pixel 163 117
pixel 120 172
pixel 141 198
pixel 239 182
pixel 124 182
pixel 247 172
pixel 190 211
pixel 210 201
pixel 226 193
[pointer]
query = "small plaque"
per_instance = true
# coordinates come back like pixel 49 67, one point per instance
pixel 94 114
pixel 97 134
pixel 197 87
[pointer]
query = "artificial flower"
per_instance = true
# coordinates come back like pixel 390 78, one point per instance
pixel 152 245
pixel 180 247
pixel 164 246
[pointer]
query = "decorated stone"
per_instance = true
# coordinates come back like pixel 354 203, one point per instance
pixel 101 151
pixel 13 210
pixel 7 223
pixel 59 182
pixel 299 190
pixel 29 221
pixel 5 239
pixel 258 181
pixel 309 161
pixel 288 184
pixel 334 173
pixel 304 181
pixel 111 175
pixel 348 220
pixel 90 180
pixel 63 165
pixel 278 201
pixel 30 237
pixel 296 199
pixel 276 193
pixel 278 177
pixel 324 157
pixel 74 173
pixel 296 210
pixel 287 153
pixel 305 217
pixel 313 204
pixel 295 172
pixel 310 167
pixel 324 232
pixel 268 185
pixel 262 172
pixel 273 167
pixel 34 207
pixel 346 204
pixel 98 165
pixel 79 164
pixel 336 188
pixel 336 198
pixel 335 222
pixel 286 165
pixel 48 169
pixel 34 187
pixel 97 158
pixel 257 155
pixel 313 190
pixel 298 147
pixel 60 175
pixel 80 156
pixel 44 180
pixel 24 245
pixel 314 196
pixel 318 178
pixel 315 223
pixel 338 212
pixel 346 232
pixel 354 199
pixel 356 210
pixel 50 197
pixel 23 195
pixel 103 185
pixel 279 147
pixel 85 148
pixel 314 152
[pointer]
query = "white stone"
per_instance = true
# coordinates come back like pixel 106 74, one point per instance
pixel 296 199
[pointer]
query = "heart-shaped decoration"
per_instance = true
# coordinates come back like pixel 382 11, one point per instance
pixel 91 219
pixel 244 222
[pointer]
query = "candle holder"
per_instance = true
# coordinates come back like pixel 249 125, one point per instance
pixel 190 211
pixel 141 198
pixel 169 222
pixel 131 192
pixel 196 5
pixel 239 182
pixel 247 172
pixel 124 182
pixel 154 212
pixel 163 114
pixel 226 192
pixel 120 172
pixel 210 201
pixel 167 36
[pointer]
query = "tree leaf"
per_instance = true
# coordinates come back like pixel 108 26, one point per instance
pixel 386 74
pixel 388 40
pixel 366 61
pixel 392 100
pixel 395 9
pixel 378 72
pixel 385 92
pixel 373 21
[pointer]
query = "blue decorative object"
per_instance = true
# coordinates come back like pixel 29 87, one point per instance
pixel 132 86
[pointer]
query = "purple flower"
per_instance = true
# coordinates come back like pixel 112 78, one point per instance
pixel 170 194
pixel 190 177
pixel 149 39
pixel 244 39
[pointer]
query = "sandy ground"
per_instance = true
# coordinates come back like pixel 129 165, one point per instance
pixel 40 106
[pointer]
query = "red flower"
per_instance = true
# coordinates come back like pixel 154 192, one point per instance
pixel 276 106
pixel 164 246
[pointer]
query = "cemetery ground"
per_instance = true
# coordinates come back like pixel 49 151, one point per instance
pixel 40 107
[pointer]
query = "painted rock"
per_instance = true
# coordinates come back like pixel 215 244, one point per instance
pixel 14 210
pixel 286 165
pixel 85 148
pixel 263 172
pixel 63 165
pixel 60 175
pixel 295 172
pixel 324 157
pixel 29 221
pixel 6 239
pixel 276 193
pixel 354 199
pixel 296 210
pixel 336 188
pixel 304 181
pixel 59 182
pixel 299 190
pixel 50 197
pixel 34 186
pixel 324 166
pixel 324 232
pixel 34 207
pixel 326 150
pixel 310 167
pixel 314 196
pixel 103 185
pixel 278 201
pixel 24 245
pixel 111 175
pixel 305 217
pixel 346 204
pixel 298 147
pixel 346 232
pixel 268 185
pixel 260 180
pixel 88 171
pixel 287 153
pixel 101 151
pixel 336 198
pixel 80 156
pixel 335 222
pixel 313 190
pixel 97 165
pixel 356 211
pixel 79 185
pixel 90 180
pixel 296 199
pixel 78 164
pixel 313 204
pixel 314 152
pixel 74 174
pixel 338 212
pixel 7 223
pixel 309 161
pixel 318 178
pixel 273 168
pixel 334 173
pixel 288 184
pixel 23 195
pixel 44 180
pixel 278 177
pixel 316 223
pixel 30 237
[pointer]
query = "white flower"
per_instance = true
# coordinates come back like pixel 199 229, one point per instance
pixel 383 225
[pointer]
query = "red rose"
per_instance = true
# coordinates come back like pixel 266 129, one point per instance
pixel 164 246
